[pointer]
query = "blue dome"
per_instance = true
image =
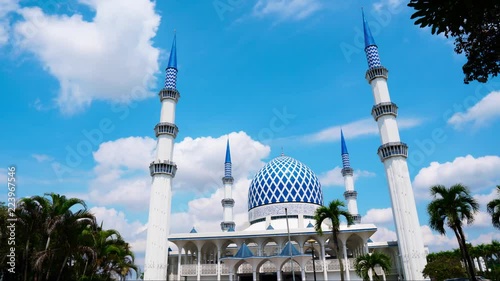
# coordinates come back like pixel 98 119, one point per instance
pixel 284 180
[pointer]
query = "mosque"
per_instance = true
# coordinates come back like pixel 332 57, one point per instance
pixel 279 241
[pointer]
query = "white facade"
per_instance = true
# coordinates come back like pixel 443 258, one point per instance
pixel 222 256
pixel 210 256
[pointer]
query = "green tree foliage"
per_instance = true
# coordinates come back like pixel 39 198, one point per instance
pixel 334 212
pixel 57 238
pixel 493 208
pixel 474 25
pixel 444 265
pixel 449 264
pixel 452 206
pixel 366 264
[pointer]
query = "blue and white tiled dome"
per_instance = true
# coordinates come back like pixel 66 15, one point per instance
pixel 284 180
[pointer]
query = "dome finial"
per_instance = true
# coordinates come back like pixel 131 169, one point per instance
pixel 282 153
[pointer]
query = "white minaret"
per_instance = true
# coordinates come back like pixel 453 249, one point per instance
pixel 162 170
pixel 393 154
pixel 227 223
pixel 350 194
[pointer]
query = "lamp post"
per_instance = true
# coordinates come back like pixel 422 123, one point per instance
pixel 311 242
pixel 168 262
pixel 289 244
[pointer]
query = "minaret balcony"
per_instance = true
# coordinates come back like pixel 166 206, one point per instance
pixel 228 180
pixel 347 171
pixel 357 218
pixel 384 108
pixel 166 128
pixel 351 194
pixel 376 72
pixel 392 149
pixel 227 202
pixel 226 225
pixel 162 167
pixel 169 93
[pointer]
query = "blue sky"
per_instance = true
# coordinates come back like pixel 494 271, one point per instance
pixel 79 82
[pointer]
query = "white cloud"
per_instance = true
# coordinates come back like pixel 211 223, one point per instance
pixel 42 157
pixel 206 213
pixel 200 161
pixel 131 152
pixel 481 220
pixel 387 4
pixel 484 199
pixel 486 238
pixel 286 9
pixel 355 129
pixel 334 177
pixel 110 58
pixel 121 173
pixel 133 232
pixel 6 7
pixel 123 165
pixel 379 216
pixel 476 173
pixel 480 114
pixel 384 234
pixel 3 176
pixel 383 219
pixel 437 242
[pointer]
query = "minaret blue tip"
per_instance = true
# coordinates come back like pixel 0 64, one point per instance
pixel 228 153
pixel 172 62
pixel 369 41
pixel 342 140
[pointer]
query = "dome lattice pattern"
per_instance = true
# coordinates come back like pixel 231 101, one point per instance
pixel 284 179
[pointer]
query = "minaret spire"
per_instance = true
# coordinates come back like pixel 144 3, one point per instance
pixel 228 202
pixel 393 153
pixel 227 163
pixel 371 48
pixel 171 71
pixel 162 170
pixel 350 194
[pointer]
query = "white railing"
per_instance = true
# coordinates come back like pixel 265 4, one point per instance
pixel 245 268
pixel 352 263
pixel 268 267
pixel 224 270
pixel 208 269
pixel 318 266
pixel 332 265
pixel 189 270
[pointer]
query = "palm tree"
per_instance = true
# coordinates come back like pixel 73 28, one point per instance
pixel 31 214
pixel 365 265
pixel 335 210
pixel 493 208
pixel 452 206
pixel 113 256
pixel 73 227
pixel 59 219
